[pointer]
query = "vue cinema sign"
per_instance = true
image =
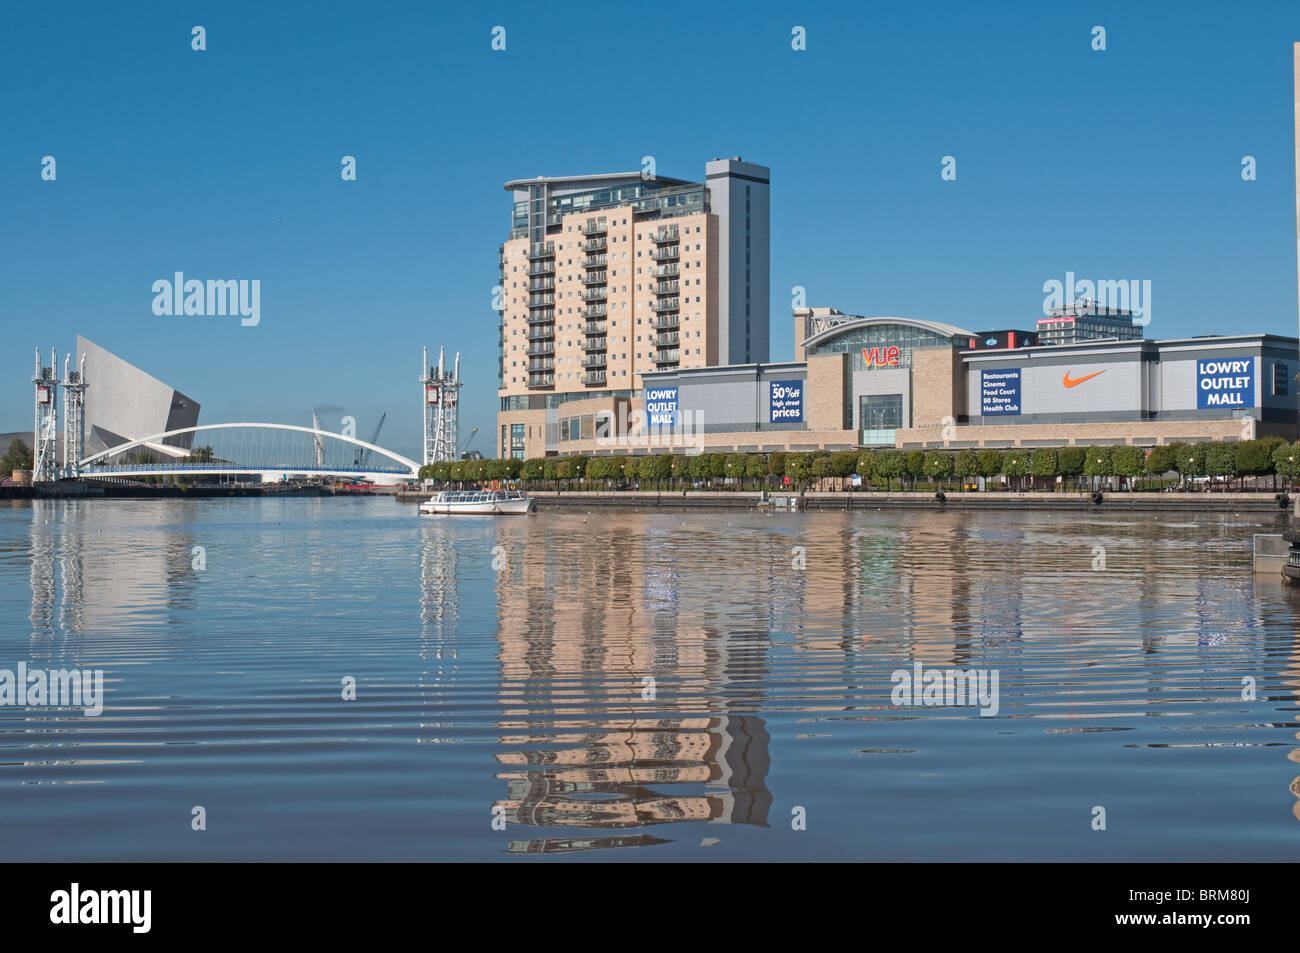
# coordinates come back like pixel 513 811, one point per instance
pixel 880 356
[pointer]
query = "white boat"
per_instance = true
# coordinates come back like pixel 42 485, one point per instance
pixel 479 501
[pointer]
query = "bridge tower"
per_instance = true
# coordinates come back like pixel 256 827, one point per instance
pixel 74 417
pixel 441 403
pixel 45 430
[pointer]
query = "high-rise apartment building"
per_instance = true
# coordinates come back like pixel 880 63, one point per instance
pixel 607 277
pixel 1085 320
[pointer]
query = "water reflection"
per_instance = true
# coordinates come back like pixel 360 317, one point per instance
pixel 614 680
pixel 624 703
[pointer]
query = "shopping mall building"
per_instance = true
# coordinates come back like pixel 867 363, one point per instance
pixel 912 384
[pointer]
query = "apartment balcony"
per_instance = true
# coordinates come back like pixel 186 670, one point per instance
pixel 667 339
pixel 541 284
pixel 595 344
pixel 595 261
pixel 593 377
pixel 665 234
pixel 595 226
pixel 667 253
pixel 541 364
pixel 665 321
pixel 594 360
pixel 666 357
pixel 664 271
pixel 595 244
pixel 594 278
pixel 541 315
pixel 542 332
pixel 665 304
pixel 594 311
pixel 667 287
pixel 594 327
pixel 544 267
pixel 540 300
pixel 541 378
pixel 541 250
pixel 594 294
pixel 546 346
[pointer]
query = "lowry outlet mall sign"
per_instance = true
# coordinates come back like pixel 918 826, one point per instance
pixel 1225 382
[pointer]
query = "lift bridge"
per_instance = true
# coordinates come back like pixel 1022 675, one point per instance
pixel 267 451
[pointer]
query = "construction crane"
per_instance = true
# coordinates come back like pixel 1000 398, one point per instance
pixel 465 452
pixel 363 453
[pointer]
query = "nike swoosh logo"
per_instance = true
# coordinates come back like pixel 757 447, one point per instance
pixel 1079 380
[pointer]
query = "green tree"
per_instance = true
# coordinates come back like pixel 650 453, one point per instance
pixel 1286 461
pixel 1098 463
pixel 717 464
pixel 798 467
pixel 938 464
pixel 1070 461
pixel 1015 463
pixel 19 456
pixel 698 466
pixel 755 466
pixel 914 464
pixel 1255 457
pixel 891 465
pixel 991 463
pixel 869 465
pixel 820 467
pixel 201 455
pixel 776 463
pixel 966 463
pixel 1043 463
pixel 1128 461
pixel 1221 459
pixel 532 468
pixel 656 467
pixel 1162 459
pixel 680 466
pixel 1191 459
pixel 844 463
pixel 735 465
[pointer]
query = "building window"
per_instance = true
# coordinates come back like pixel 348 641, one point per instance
pixel 881 412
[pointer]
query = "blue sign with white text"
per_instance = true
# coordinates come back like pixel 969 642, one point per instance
pixel 1225 382
pixel 786 400
pixel 661 406
pixel 1000 391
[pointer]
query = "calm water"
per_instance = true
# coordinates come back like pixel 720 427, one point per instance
pixel 519 691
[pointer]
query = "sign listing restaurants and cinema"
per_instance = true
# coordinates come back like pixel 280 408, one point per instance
pixel 999 391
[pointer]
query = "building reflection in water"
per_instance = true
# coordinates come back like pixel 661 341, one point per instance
pixel 583 618
pixel 1291 678
pixel 439 618
pixel 91 575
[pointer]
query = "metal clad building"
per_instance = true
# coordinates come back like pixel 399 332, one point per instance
pixel 123 403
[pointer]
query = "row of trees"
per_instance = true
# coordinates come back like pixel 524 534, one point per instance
pixel 1268 457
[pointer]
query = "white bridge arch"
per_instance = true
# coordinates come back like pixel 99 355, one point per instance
pixel 257 456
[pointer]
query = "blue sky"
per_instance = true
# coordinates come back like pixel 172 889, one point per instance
pixel 1123 164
